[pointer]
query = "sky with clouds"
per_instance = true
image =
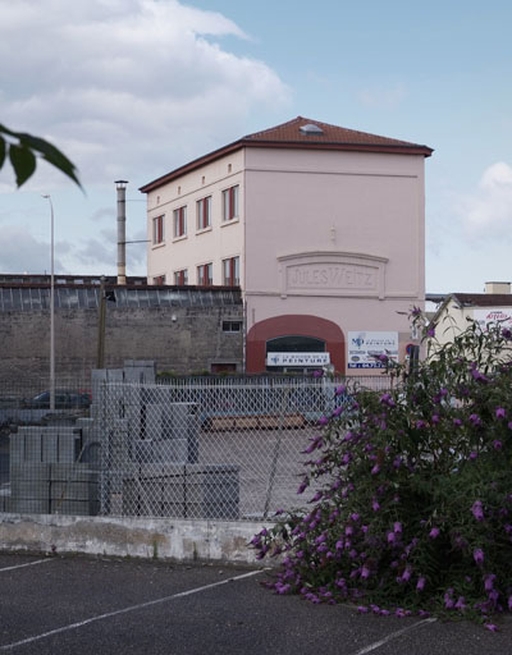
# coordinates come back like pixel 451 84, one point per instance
pixel 130 89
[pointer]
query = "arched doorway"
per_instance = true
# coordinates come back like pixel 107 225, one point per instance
pixel 292 332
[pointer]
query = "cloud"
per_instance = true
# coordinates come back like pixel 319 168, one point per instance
pixel 127 87
pixel 383 97
pixel 21 252
pixel 487 213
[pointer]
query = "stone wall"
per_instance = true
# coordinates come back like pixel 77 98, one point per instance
pixel 188 338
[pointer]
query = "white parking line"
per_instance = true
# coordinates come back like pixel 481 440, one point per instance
pixel 21 566
pixel 131 608
pixel 393 635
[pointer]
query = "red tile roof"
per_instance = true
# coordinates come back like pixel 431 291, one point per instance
pixel 323 136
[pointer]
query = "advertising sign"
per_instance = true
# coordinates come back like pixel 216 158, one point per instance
pixel 298 359
pixel 365 348
pixel 493 315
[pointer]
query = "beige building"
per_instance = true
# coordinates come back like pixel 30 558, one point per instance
pixel 322 227
pixel 454 310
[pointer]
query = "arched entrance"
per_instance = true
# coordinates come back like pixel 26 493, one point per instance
pixel 293 331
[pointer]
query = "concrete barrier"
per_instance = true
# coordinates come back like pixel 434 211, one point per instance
pixel 179 540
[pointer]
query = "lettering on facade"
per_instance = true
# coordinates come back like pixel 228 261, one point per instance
pixel 332 277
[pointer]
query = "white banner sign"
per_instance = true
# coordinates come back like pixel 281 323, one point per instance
pixel 365 348
pixel 492 315
pixel 298 359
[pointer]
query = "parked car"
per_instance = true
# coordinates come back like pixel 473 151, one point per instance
pixel 63 400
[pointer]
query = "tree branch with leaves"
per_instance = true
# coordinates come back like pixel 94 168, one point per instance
pixel 23 150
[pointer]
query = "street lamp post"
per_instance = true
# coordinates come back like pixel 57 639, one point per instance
pixel 52 307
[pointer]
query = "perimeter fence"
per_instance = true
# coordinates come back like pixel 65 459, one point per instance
pixel 186 448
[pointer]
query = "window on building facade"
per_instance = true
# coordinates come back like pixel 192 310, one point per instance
pixel 204 209
pixel 232 326
pixel 180 222
pixel 205 275
pixel 230 203
pixel 181 277
pixel 231 272
pixel 158 230
pixel 159 280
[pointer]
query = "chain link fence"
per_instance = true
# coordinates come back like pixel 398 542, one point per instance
pixel 227 449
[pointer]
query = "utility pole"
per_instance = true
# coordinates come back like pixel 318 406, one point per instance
pixel 52 306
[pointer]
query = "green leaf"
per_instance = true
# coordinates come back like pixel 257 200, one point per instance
pixel 34 145
pixel 23 161
pixel 51 154
pixel 3 151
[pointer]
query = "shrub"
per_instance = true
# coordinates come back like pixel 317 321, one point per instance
pixel 411 506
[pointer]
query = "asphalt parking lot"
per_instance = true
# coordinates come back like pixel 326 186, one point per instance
pixel 79 605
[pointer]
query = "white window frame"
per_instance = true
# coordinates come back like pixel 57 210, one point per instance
pixel 204 213
pixel 179 220
pixel 231 203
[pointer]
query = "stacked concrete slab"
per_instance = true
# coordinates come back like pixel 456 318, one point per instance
pixel 46 474
pixel 183 491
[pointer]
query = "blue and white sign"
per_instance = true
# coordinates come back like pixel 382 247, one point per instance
pixel 371 349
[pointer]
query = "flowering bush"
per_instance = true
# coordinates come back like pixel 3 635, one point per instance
pixel 412 510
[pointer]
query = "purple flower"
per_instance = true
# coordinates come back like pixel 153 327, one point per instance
pixel 478 556
pixel 460 604
pixel 375 469
pixel 339 391
pixel 478 376
pixel 386 399
pixel 397 527
pixel 420 585
pixel 497 444
pixel 491 626
pixel 431 332
pixel 475 420
pixel 391 537
pixel 500 412
pixel 365 572
pixel 375 505
pixel 473 455
pixel 489 581
pixel 323 420
pixel 406 575
pixel 457 422
pixel 434 533
pixel 477 510
pixel 448 599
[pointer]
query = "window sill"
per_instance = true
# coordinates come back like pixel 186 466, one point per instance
pixel 231 221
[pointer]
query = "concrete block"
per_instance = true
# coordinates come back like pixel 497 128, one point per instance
pixel 30 489
pixel 29 471
pixel 76 472
pixel 30 506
